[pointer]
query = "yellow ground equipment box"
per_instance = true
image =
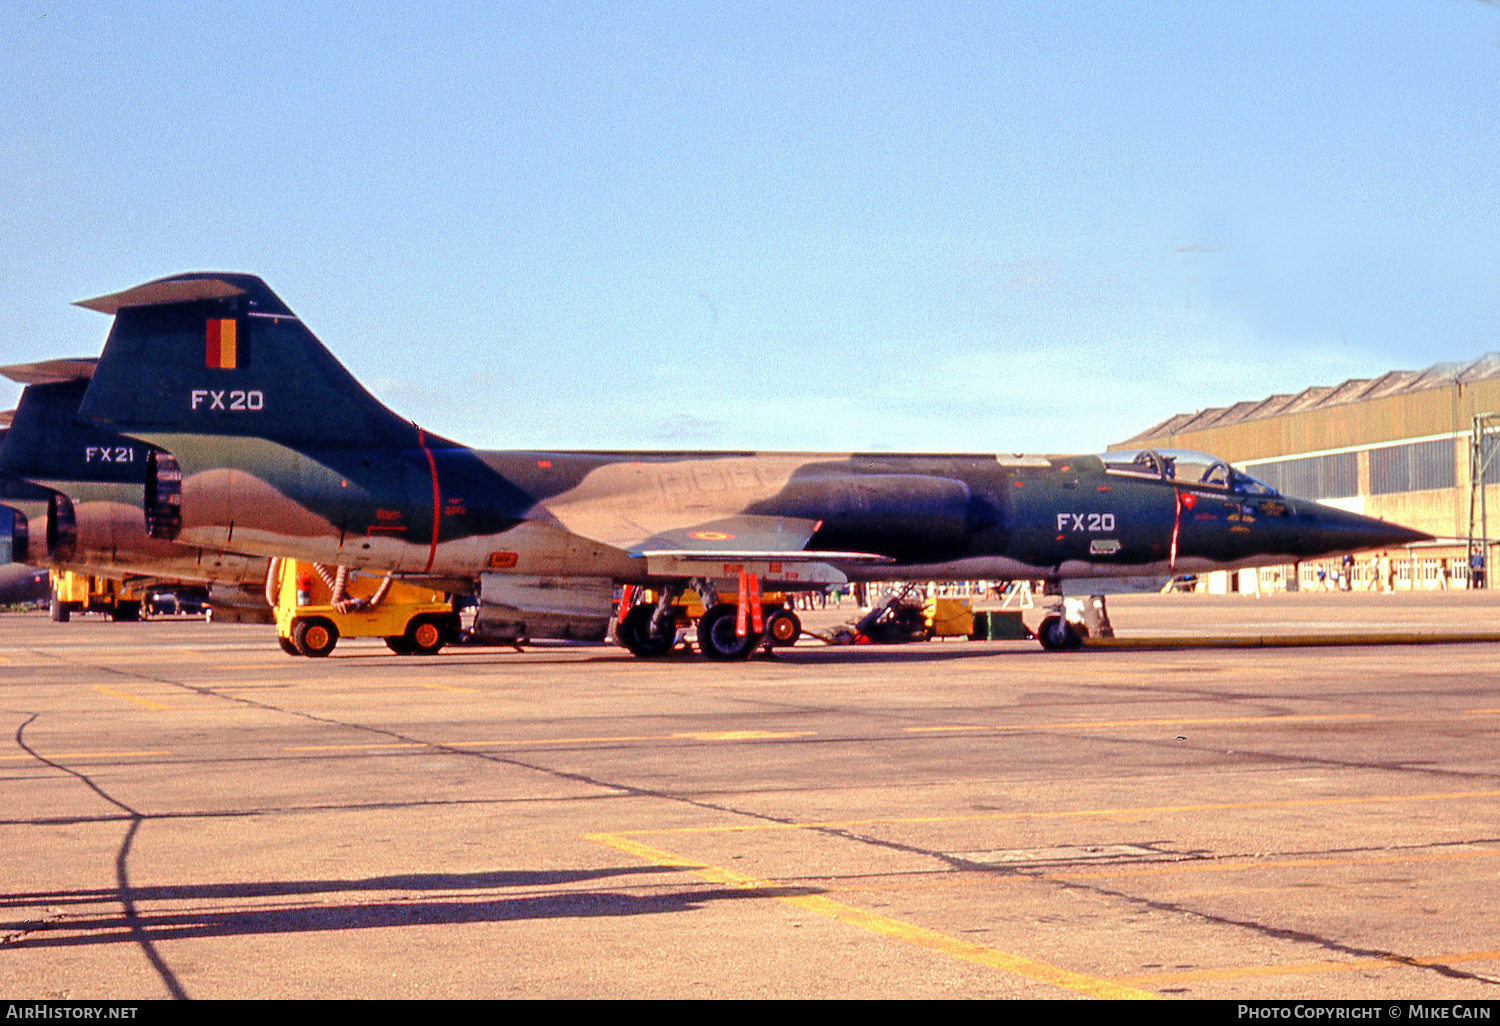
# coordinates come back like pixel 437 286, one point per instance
pixel 948 617
pixel 316 605
pixel 80 593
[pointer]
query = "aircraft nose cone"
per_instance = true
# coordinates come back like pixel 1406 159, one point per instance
pixel 1338 530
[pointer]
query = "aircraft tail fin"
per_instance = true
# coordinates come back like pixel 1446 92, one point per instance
pixel 221 354
pixel 47 442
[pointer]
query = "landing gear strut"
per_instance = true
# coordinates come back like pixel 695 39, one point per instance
pixel 636 634
pixel 1071 620
pixel 650 631
pixel 1057 635
pixel 718 638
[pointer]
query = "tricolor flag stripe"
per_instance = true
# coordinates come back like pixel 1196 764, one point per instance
pixel 221 350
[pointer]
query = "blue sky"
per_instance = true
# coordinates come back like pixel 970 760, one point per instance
pixel 945 227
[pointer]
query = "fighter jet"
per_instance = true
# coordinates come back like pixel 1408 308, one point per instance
pixel 84 486
pixel 259 441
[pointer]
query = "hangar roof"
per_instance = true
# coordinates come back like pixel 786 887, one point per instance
pixel 1355 390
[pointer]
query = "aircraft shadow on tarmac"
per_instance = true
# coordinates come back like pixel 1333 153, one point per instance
pixel 118 928
pixel 809 655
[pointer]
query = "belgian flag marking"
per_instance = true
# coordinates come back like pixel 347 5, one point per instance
pixel 221 352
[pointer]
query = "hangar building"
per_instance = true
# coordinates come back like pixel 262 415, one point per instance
pixel 1398 447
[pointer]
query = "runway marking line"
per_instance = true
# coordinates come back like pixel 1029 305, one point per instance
pixel 356 748
pixel 1164 721
pixel 723 735
pixel 143 702
pixel 884 925
pixel 1130 812
pixel 1241 863
pixel 740 735
pixel 772 735
pixel 83 755
pixel 1305 968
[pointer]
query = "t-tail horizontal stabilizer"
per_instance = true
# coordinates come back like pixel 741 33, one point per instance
pixel 220 354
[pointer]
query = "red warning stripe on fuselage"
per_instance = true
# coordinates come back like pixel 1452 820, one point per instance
pixel 436 499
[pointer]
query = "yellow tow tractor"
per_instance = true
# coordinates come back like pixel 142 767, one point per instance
pixel 82 593
pixel 316 605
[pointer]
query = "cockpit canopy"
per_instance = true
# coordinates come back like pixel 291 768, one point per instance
pixel 1185 468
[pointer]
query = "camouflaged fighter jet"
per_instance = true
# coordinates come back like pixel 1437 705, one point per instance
pixel 84 484
pixel 261 442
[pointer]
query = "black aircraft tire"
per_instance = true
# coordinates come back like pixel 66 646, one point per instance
pixel 1056 635
pixel 717 639
pixel 635 634
pixel 783 628
pixel 59 610
pixel 425 635
pixel 315 636
pixel 287 646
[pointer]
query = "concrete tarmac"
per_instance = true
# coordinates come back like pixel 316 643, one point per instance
pixel 189 812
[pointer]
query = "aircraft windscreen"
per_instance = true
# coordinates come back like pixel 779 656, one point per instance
pixel 1132 461
pixel 1195 468
pixel 1184 467
pixel 1243 482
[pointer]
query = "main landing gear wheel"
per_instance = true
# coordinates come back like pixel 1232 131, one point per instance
pixel 1057 635
pixel 59 610
pixel 783 628
pixel 315 637
pixel 635 633
pixel 425 636
pixel 717 639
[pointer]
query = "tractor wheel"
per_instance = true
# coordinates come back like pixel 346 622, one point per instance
pixel 425 635
pixel 783 628
pixel 314 636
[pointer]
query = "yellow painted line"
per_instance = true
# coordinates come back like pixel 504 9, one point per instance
pixel 83 755
pixel 143 702
pixel 884 925
pixel 355 748
pixel 1126 812
pixel 744 735
pixel 1482 712
pixel 527 742
pixel 1306 968
pixel 1294 640
pixel 1249 863
pixel 1163 721
pixel 472 744
pixel 728 735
